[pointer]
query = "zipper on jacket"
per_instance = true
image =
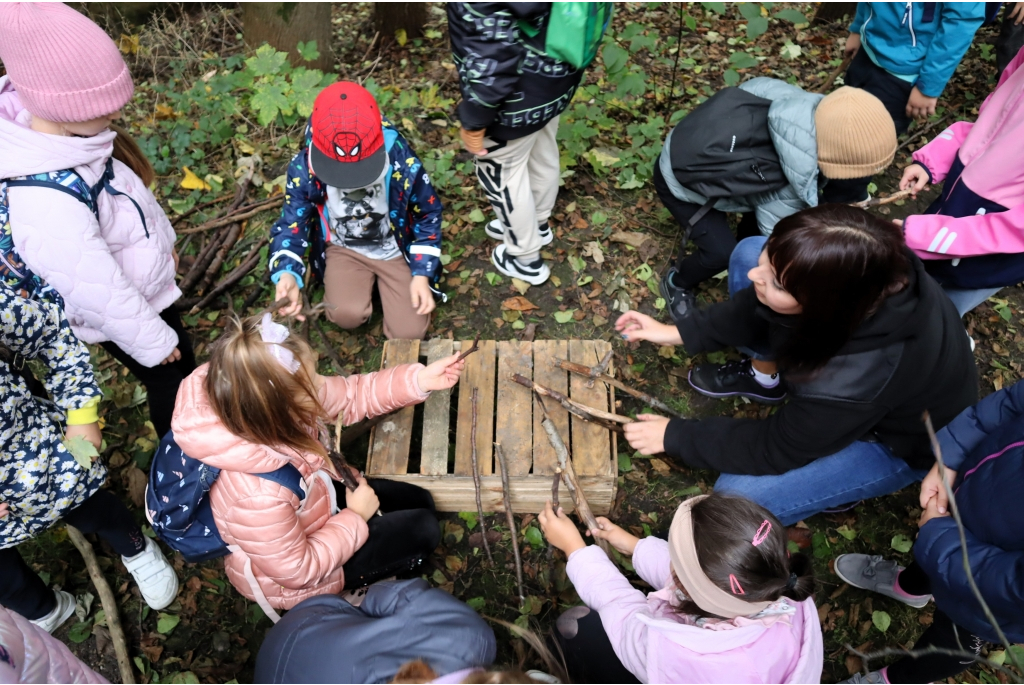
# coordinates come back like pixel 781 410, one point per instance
pixel 908 20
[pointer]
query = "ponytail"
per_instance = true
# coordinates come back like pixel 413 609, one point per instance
pixel 128 152
pixel 800 584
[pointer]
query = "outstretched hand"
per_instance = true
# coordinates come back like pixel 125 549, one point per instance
pixel 614 535
pixel 647 434
pixel 636 326
pixel 915 178
pixel 442 374
pixel 559 530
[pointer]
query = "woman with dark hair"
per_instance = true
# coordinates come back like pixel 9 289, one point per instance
pixel 866 340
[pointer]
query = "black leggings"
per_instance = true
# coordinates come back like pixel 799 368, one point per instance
pixel 589 656
pixel 161 381
pixel 942 633
pixel 23 591
pixel 400 540
pixel 893 92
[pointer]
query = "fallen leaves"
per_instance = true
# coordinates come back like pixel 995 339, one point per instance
pixel 193 182
pixel 518 304
pixel 82 450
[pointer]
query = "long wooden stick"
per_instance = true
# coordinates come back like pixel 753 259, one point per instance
pixel 650 401
pixel 476 482
pixel 124 662
pixel 599 370
pixel 510 517
pixel 875 201
pixel 229 281
pixel 590 413
pixel 843 66
pixel 272 203
pixel 579 500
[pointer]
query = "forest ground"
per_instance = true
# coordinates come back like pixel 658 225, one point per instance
pixel 211 634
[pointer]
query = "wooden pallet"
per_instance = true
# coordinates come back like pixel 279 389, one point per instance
pixel 507 414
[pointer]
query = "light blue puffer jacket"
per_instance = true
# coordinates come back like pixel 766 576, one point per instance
pixel 791 126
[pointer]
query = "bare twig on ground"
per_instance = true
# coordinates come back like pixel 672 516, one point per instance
pixel 876 201
pixel 203 259
pixel 237 274
pixel 652 402
pixel 323 337
pixel 930 650
pixel 843 66
pixel 230 238
pixel 251 298
pixel 109 602
pixel 471 350
pixel 924 129
pixel 507 499
pixel 476 481
pixel 246 213
pixel 198 208
pixel 590 414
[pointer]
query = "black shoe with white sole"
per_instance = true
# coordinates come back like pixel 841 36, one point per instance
pixel 496 230
pixel 732 379
pixel 533 273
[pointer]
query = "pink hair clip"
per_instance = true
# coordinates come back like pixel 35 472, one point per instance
pixel 762 533
pixel 273 334
pixel 735 586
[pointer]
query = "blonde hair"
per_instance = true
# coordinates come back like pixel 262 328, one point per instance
pixel 256 397
pixel 128 152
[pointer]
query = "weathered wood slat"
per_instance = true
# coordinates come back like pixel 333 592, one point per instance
pixel 391 455
pixel 547 375
pixel 514 421
pixel 480 372
pixel 436 417
pixel 591 444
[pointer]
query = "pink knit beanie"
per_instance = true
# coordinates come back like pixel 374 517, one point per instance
pixel 64 67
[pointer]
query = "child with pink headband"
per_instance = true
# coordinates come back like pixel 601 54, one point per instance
pixel 730 603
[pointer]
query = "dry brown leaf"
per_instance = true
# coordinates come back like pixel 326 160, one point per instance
pixel 518 304
pixel 629 238
pixel 661 467
pixel 853 664
pixel 136 482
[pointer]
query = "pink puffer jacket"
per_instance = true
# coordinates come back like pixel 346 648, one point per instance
pixel 114 279
pixel 28 654
pixel 296 549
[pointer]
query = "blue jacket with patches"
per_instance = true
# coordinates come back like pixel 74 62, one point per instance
pixel 985 446
pixel 414 213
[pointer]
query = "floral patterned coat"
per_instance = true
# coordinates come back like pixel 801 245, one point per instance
pixel 39 479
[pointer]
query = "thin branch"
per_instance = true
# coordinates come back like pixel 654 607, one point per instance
pixel 875 201
pixel 476 482
pixel 471 350
pixel 955 510
pixel 930 650
pixel 323 337
pixel 124 662
pixel 229 281
pixel 577 409
pixel 554 488
pixel 652 402
pixel 506 498
pixel 918 134
pixel 843 66
pixel 272 203
pixel 203 205
pixel 601 368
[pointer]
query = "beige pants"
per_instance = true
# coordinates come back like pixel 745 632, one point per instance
pixel 348 286
pixel 520 178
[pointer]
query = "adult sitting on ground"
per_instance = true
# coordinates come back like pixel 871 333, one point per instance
pixel 867 342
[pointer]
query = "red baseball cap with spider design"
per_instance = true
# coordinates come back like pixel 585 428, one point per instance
pixel 348 137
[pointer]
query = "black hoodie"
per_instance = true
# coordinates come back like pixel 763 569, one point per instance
pixel 911 355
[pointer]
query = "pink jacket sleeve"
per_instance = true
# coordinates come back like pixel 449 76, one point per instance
pixel 366 395
pixel 28 654
pixel 938 155
pixel 59 239
pixel 935 236
pixel 652 562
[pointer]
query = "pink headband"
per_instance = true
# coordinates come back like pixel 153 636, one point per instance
pixel 697 586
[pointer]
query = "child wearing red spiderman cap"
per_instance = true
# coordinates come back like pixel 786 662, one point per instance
pixel 358 200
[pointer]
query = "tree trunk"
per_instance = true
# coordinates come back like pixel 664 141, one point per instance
pixel 829 12
pixel 284 24
pixel 390 17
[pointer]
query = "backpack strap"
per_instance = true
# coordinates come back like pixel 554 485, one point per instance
pixel 104 184
pixel 287 476
pixel 700 213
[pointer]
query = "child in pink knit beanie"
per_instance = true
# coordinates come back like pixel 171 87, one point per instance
pixel 77 222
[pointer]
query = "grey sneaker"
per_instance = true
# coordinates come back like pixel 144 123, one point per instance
pixel 874 677
pixel 876 574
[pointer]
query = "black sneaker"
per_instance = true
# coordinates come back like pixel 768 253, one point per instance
pixel 496 230
pixel 679 301
pixel 533 273
pixel 734 378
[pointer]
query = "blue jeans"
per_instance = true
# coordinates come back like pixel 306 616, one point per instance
pixel 743 259
pixel 966 300
pixel 862 470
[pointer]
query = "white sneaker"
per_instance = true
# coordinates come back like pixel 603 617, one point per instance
pixel 156 578
pixel 496 230
pixel 62 612
pixel 534 273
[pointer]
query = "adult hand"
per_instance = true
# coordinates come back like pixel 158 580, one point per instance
pixel 915 177
pixel 930 512
pixel 473 141
pixel 614 535
pixel 1016 13
pixel 933 489
pixel 288 288
pixel 89 431
pixel 559 530
pixel 422 297
pixel 174 356
pixel 920 105
pixel 441 375
pixel 852 46
pixel 636 326
pixel 363 500
pixel 647 434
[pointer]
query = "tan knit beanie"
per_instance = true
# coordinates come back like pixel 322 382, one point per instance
pixel 856 136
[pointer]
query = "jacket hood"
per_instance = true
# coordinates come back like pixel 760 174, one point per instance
pixel 201 435
pixel 30 152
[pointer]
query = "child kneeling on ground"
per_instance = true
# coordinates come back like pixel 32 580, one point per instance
pixel 256 407
pixel 730 603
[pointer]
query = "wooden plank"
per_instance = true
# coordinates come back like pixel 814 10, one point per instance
pixel 389 444
pixel 591 444
pixel 514 420
pixel 549 376
pixel 528 493
pixel 436 415
pixel 480 372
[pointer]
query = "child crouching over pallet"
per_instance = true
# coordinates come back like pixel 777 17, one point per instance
pixel 253 412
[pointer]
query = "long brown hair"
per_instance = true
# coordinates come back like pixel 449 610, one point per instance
pixel 128 152
pixel 840 263
pixel 255 396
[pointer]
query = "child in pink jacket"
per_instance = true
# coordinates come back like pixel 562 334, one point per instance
pixel 78 226
pixel 256 407
pixel 972 236
pixel 730 605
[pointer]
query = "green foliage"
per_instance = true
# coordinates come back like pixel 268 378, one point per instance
pixel 881 620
